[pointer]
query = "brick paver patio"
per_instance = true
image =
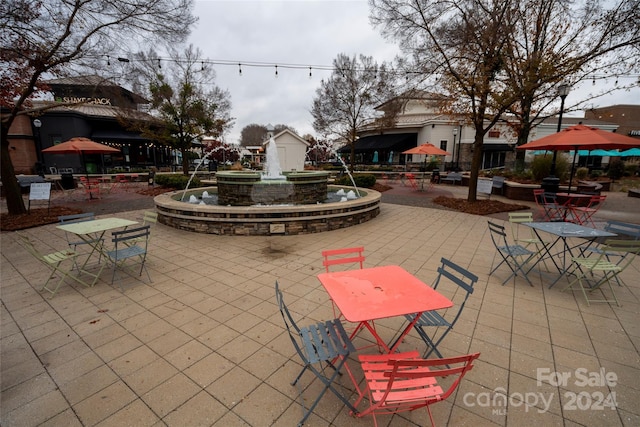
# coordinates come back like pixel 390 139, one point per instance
pixel 204 344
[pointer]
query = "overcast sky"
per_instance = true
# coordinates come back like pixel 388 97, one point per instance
pixel 297 32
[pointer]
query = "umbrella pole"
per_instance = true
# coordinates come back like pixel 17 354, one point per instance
pixel 575 152
pixel 86 174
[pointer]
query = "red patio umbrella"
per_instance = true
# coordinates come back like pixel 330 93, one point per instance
pixel 581 137
pixel 81 146
pixel 426 149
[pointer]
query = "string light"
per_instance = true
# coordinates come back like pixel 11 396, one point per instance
pixel 405 73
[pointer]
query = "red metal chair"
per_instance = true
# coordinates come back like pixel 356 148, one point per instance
pixel 333 257
pixel 403 382
pixel 343 256
pixel 584 214
pixel 548 207
pixel 412 180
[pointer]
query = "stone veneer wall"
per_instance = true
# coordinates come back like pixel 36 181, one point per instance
pixel 275 192
pixel 267 220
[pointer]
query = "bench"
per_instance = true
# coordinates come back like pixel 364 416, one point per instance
pixel 589 187
pixel 25 181
pixel 452 177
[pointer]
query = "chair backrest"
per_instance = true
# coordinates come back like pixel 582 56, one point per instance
pixel 289 323
pixel 596 201
pixel 459 276
pixel 623 229
pixel 621 247
pixel 70 219
pixel 498 234
pixel 520 217
pixel 416 375
pixel 516 218
pixel 131 235
pixel 150 217
pixel 629 246
pixel 26 243
pixel 343 256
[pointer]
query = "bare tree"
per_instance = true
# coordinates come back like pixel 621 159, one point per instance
pixel 252 135
pixel 346 101
pixel 463 44
pixel 556 41
pixel 47 38
pixel 184 98
pixel 255 134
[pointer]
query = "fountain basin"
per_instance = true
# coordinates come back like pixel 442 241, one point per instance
pixel 247 188
pixel 265 220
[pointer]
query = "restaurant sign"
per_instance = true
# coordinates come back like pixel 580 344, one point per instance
pixel 84 100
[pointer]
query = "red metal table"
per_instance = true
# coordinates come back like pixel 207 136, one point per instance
pixel 376 293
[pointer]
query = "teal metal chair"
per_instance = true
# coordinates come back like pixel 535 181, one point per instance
pixel 515 256
pixel 433 326
pixel 322 343
pixel 130 248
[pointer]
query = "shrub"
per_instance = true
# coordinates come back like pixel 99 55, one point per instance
pixel 630 169
pixel 177 181
pixel 363 180
pixel 582 173
pixel 541 167
pixel 616 169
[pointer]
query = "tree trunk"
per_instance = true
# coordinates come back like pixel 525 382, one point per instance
pixel 185 161
pixel 476 160
pixel 10 186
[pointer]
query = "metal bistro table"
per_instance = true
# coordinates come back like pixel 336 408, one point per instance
pixel 562 231
pixel 370 294
pixel 92 233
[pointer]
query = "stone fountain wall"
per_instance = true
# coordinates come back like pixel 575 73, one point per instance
pixel 247 189
pixel 265 220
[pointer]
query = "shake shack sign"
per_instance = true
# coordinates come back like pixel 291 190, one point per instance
pixel 83 100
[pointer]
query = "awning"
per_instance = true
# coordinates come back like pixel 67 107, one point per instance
pixel 396 141
pixel 497 147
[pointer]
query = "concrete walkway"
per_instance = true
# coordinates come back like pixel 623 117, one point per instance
pixel 204 344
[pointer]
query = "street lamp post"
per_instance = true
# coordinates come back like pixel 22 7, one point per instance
pixel 459 147
pixel 453 158
pixel 552 183
pixel 37 124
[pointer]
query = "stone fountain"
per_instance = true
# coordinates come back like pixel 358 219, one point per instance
pixel 271 202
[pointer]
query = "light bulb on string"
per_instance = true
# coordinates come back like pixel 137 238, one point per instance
pixel 310 72
pixel 276 71
pixel 240 69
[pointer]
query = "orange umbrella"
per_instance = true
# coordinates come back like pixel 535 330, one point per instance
pixel 581 137
pixel 427 149
pixel 81 146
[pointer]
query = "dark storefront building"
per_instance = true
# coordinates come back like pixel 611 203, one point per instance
pixel 95 108
pixel 385 148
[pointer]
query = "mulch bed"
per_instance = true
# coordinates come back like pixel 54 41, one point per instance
pixel 35 218
pixel 43 216
pixel 479 207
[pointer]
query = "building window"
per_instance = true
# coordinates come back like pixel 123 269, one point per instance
pixel 495 159
pixel 443 145
pixel 494 134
